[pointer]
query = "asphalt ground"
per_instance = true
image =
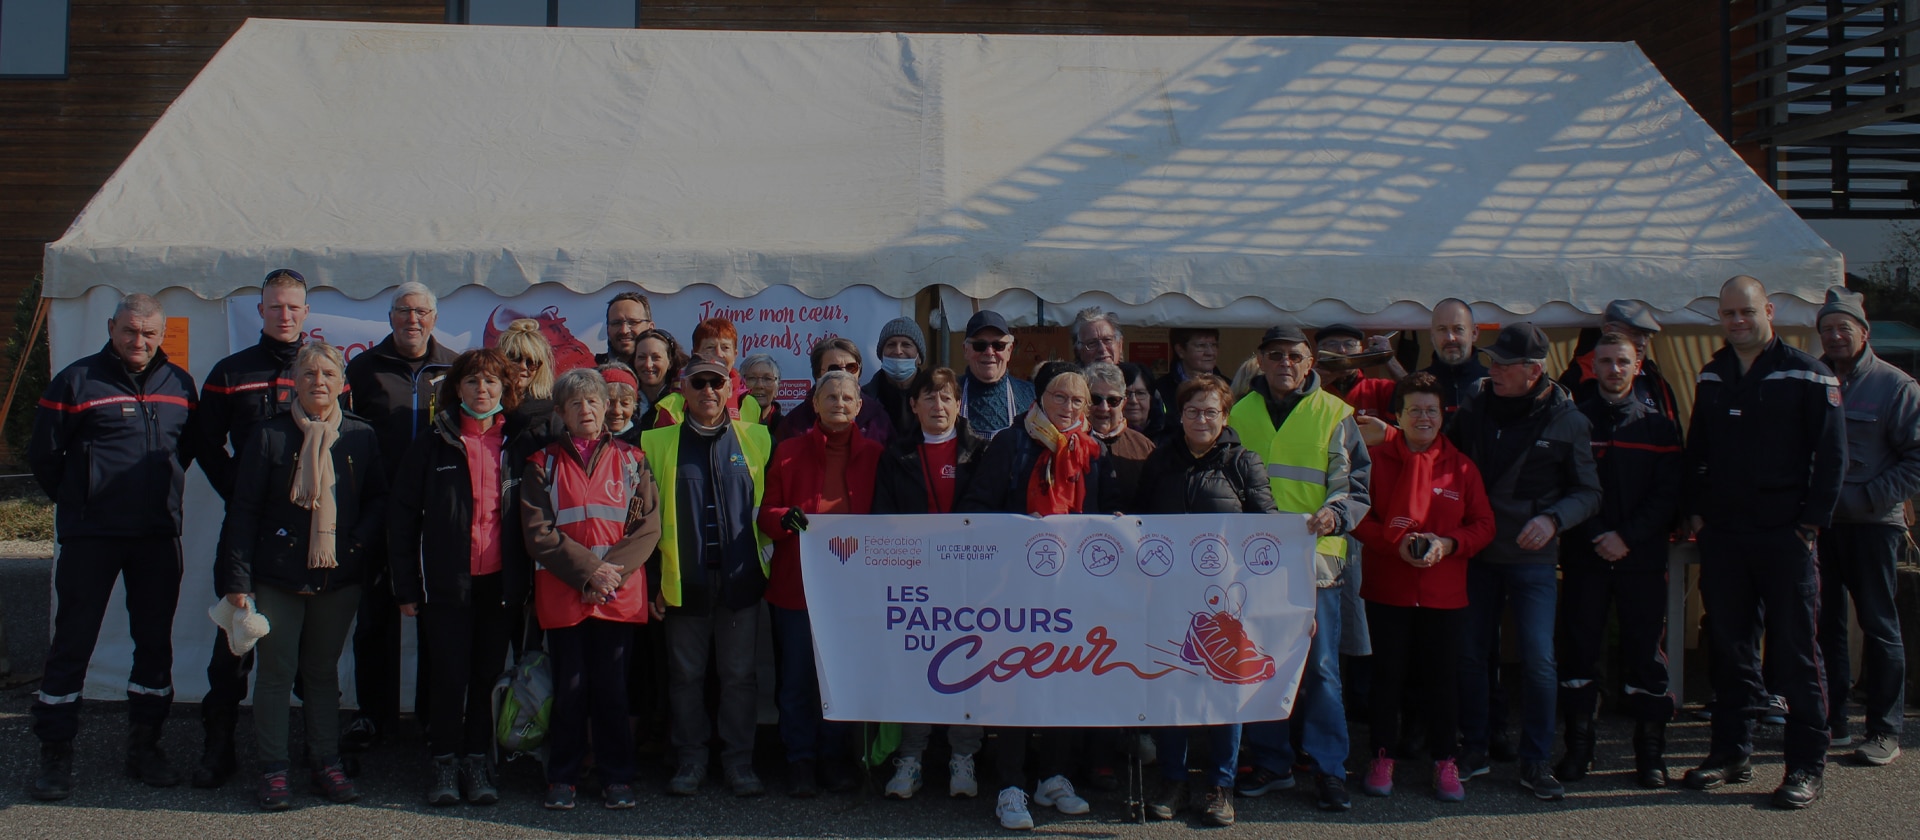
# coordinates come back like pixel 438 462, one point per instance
pixel 1859 802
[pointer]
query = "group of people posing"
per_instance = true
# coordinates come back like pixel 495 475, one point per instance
pixel 639 519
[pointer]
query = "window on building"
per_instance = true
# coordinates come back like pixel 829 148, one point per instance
pixel 616 14
pixel 33 38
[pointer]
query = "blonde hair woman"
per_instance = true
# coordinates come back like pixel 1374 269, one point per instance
pixel 530 374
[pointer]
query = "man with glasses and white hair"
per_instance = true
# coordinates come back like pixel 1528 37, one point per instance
pixel 991 398
pixel 1096 337
pixel 1317 465
pixel 391 385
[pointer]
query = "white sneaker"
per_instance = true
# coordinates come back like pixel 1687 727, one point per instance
pixel 1058 792
pixel 906 778
pixel 960 780
pixel 1012 810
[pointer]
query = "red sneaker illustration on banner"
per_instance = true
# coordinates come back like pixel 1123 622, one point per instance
pixel 1217 640
pixel 568 352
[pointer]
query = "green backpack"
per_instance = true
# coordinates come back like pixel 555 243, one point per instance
pixel 521 725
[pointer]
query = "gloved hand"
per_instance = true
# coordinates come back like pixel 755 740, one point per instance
pixel 795 520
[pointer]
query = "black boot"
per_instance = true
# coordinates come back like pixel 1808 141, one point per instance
pixel 56 771
pixel 145 761
pixel 1579 757
pixel 217 761
pixel 1650 754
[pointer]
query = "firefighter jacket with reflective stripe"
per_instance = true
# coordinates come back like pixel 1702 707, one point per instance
pixel 111 448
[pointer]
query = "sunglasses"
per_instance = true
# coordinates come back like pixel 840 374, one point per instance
pixel 982 346
pixel 850 367
pixel 707 383
pixel 1284 356
pixel 1110 402
pixel 532 365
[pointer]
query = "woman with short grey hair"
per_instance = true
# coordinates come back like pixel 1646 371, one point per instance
pixel 762 375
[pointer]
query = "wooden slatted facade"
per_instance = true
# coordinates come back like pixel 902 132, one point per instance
pixel 128 59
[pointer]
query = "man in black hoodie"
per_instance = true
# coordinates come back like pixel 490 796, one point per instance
pixel 391 386
pixel 242 391
pixel 1534 452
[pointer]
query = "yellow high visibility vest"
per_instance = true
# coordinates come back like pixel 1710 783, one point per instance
pixel 1296 453
pixel 662 449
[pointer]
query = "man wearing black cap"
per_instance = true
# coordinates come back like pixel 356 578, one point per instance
pixel 1317 465
pixel 1858 553
pixel 1634 320
pixel 1533 450
pixel 1766 458
pixel 991 398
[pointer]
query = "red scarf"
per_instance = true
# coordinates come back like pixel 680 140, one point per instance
pixel 1403 507
pixel 1058 483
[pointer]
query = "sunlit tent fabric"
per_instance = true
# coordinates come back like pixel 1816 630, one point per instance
pixel 1244 176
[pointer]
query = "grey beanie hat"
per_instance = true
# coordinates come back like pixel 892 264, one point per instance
pixel 906 327
pixel 1846 302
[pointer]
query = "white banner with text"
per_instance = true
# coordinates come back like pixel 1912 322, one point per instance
pixel 1085 620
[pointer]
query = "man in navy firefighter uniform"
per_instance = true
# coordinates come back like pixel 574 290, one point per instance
pixel 242 391
pixel 1765 458
pixel 112 439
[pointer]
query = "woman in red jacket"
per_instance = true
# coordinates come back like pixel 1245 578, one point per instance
pixel 1429 515
pixel 830 469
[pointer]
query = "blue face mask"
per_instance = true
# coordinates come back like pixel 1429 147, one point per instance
pixel 477 415
pixel 900 369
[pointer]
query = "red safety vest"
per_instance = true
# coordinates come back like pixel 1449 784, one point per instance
pixel 590 509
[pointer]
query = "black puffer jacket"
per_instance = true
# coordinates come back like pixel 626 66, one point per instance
pixel 264 540
pixel 899 485
pixel 430 518
pixel 1229 478
pixel 999 482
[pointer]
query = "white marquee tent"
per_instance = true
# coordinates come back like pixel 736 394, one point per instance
pixel 1199 180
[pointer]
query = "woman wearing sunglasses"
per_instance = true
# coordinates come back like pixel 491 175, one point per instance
pixel 530 367
pixel 835 355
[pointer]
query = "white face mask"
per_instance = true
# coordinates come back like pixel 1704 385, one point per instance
pixel 899 369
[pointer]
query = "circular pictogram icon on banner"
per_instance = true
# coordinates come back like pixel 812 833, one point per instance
pixel 1209 555
pixel 1262 554
pixel 1156 556
pixel 1100 555
pixel 1045 555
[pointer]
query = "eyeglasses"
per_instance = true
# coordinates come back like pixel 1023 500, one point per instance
pixel 1138 393
pixel 1097 343
pixel 982 346
pixel 1207 414
pixel 412 312
pixel 762 379
pixel 1064 398
pixel 707 383
pixel 1421 412
pixel 1110 402
pixel 1295 359
pixel 850 367
pixel 629 324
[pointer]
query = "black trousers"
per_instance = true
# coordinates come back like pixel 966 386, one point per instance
pixel 1859 560
pixel 469 644
pixel 1588 595
pixel 1416 647
pixel 376 656
pixel 1010 753
pixel 590 685
pixel 227 677
pixel 1755 581
pixel 83 574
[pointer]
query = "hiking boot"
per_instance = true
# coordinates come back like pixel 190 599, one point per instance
pixel 1719 770
pixel 801 781
pixel 1057 792
pixel 1446 782
pixel 55 781
pixel 559 797
pixel 1798 790
pixel 960 779
pixel 217 760
pixel 839 775
pixel 741 778
pixel 1537 776
pixel 1580 742
pixel 1879 750
pixel 445 789
pixel 476 778
pixel 906 778
pixel 1012 810
pixel 1776 711
pixel 330 780
pixel 1171 799
pixel 618 797
pixel 1333 793
pixel 1261 782
pixel 1218 809
pixel 1650 754
pixel 360 736
pixel 686 779
pixel 1379 781
pixel 276 790
pixel 145 760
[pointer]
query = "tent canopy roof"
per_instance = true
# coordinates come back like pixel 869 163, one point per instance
pixel 1291 170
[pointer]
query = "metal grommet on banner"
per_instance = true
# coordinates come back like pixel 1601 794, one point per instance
pixel 1143 718
pixel 966 521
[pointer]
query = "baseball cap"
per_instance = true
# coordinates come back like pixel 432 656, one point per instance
pixel 1633 313
pixel 703 364
pixel 1339 330
pixel 1521 342
pixel 987 319
pixel 1290 335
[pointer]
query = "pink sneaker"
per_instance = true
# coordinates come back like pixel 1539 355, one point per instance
pixel 1379 776
pixel 1446 782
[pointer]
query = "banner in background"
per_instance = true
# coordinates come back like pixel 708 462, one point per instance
pixel 780 321
pixel 1008 620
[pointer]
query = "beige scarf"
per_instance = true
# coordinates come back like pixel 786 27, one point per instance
pixel 313 484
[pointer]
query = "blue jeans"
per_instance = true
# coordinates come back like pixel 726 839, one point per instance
pixel 1532 589
pixel 1223 751
pixel 803 731
pixel 1319 706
